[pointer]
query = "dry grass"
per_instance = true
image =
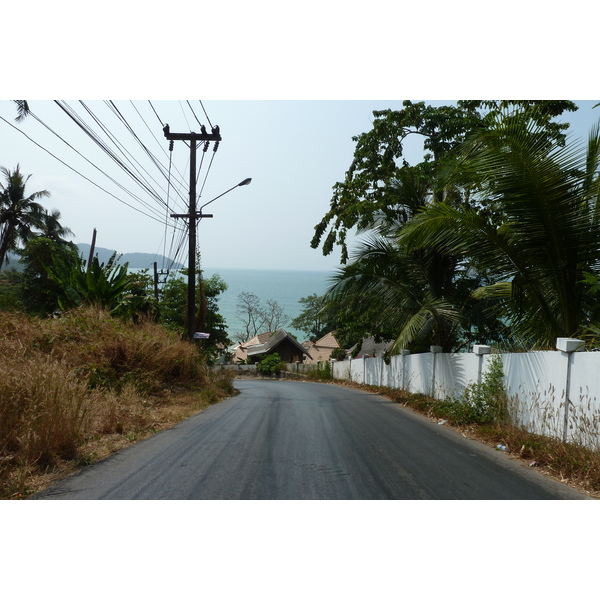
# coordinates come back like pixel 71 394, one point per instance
pixel 76 389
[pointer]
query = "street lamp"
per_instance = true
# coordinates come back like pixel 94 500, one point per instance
pixel 193 216
pixel 245 182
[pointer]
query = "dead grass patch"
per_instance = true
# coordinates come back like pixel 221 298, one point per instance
pixel 77 389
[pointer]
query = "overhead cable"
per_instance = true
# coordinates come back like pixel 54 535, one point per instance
pixel 83 176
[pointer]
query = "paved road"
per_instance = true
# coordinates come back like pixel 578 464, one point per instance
pixel 298 440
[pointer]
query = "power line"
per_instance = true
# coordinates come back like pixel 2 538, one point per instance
pixel 83 176
pixel 156 139
pixel 205 113
pixel 159 119
pixel 188 102
pixel 96 139
pixel 148 206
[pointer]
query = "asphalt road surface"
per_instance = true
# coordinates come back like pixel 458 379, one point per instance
pixel 298 440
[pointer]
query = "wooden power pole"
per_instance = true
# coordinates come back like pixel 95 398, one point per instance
pixel 193 215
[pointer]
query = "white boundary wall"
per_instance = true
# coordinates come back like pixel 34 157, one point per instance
pixel 537 384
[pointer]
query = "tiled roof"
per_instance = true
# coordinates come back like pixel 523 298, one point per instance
pixel 321 349
pixel 273 341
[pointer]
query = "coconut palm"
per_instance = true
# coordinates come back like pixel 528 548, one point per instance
pixel 535 233
pixel 22 109
pixel 19 213
pixel 419 298
pixel 51 227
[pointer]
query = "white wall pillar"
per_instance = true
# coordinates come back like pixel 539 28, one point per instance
pixel 480 351
pixel 434 350
pixel 568 346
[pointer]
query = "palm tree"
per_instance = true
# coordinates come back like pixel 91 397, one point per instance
pixel 22 109
pixel 19 213
pixel 420 298
pixel 51 227
pixel 535 233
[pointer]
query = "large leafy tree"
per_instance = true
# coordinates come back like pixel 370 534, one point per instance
pixel 314 319
pixel 535 228
pixel 367 189
pixel 20 213
pixel 420 295
pixel 172 308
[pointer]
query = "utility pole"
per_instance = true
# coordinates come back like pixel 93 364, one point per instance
pixel 193 215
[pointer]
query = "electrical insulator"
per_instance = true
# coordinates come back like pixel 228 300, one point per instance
pixel 171 146
pixel 216 147
pixel 206 145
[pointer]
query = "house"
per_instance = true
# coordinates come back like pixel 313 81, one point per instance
pixel 280 342
pixel 321 349
pixel 240 352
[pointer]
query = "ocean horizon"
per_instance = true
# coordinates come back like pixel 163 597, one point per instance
pixel 286 287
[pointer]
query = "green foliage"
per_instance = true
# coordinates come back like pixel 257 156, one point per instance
pixel 173 311
pixel 19 214
pixel 104 285
pixel 485 240
pixel 214 323
pixel 338 354
pixel 480 403
pixel 534 231
pixel 321 371
pixel 271 364
pixel 172 305
pixel 314 320
pixel 367 189
pixel 39 290
pixel 11 298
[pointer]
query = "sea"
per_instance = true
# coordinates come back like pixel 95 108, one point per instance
pixel 285 287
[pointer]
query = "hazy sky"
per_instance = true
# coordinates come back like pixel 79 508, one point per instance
pixel 294 151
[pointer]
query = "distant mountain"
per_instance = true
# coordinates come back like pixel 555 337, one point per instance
pixel 136 260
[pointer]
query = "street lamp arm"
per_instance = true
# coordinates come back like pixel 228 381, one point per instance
pixel 245 182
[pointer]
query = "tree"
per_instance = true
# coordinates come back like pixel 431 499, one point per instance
pixel 39 290
pixel 213 322
pixel 314 320
pixel 535 231
pixel 173 314
pixel 250 313
pixel 427 290
pixel 256 317
pixel 273 315
pixel 52 229
pixel 19 214
pixel 367 189
pixel 22 109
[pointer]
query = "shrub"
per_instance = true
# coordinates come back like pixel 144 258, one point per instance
pixel 270 364
pixel 483 402
pixel 320 371
pixel 338 354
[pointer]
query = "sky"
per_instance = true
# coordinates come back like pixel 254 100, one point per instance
pixel 293 150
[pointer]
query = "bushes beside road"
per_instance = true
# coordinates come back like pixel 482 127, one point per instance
pixel 75 389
